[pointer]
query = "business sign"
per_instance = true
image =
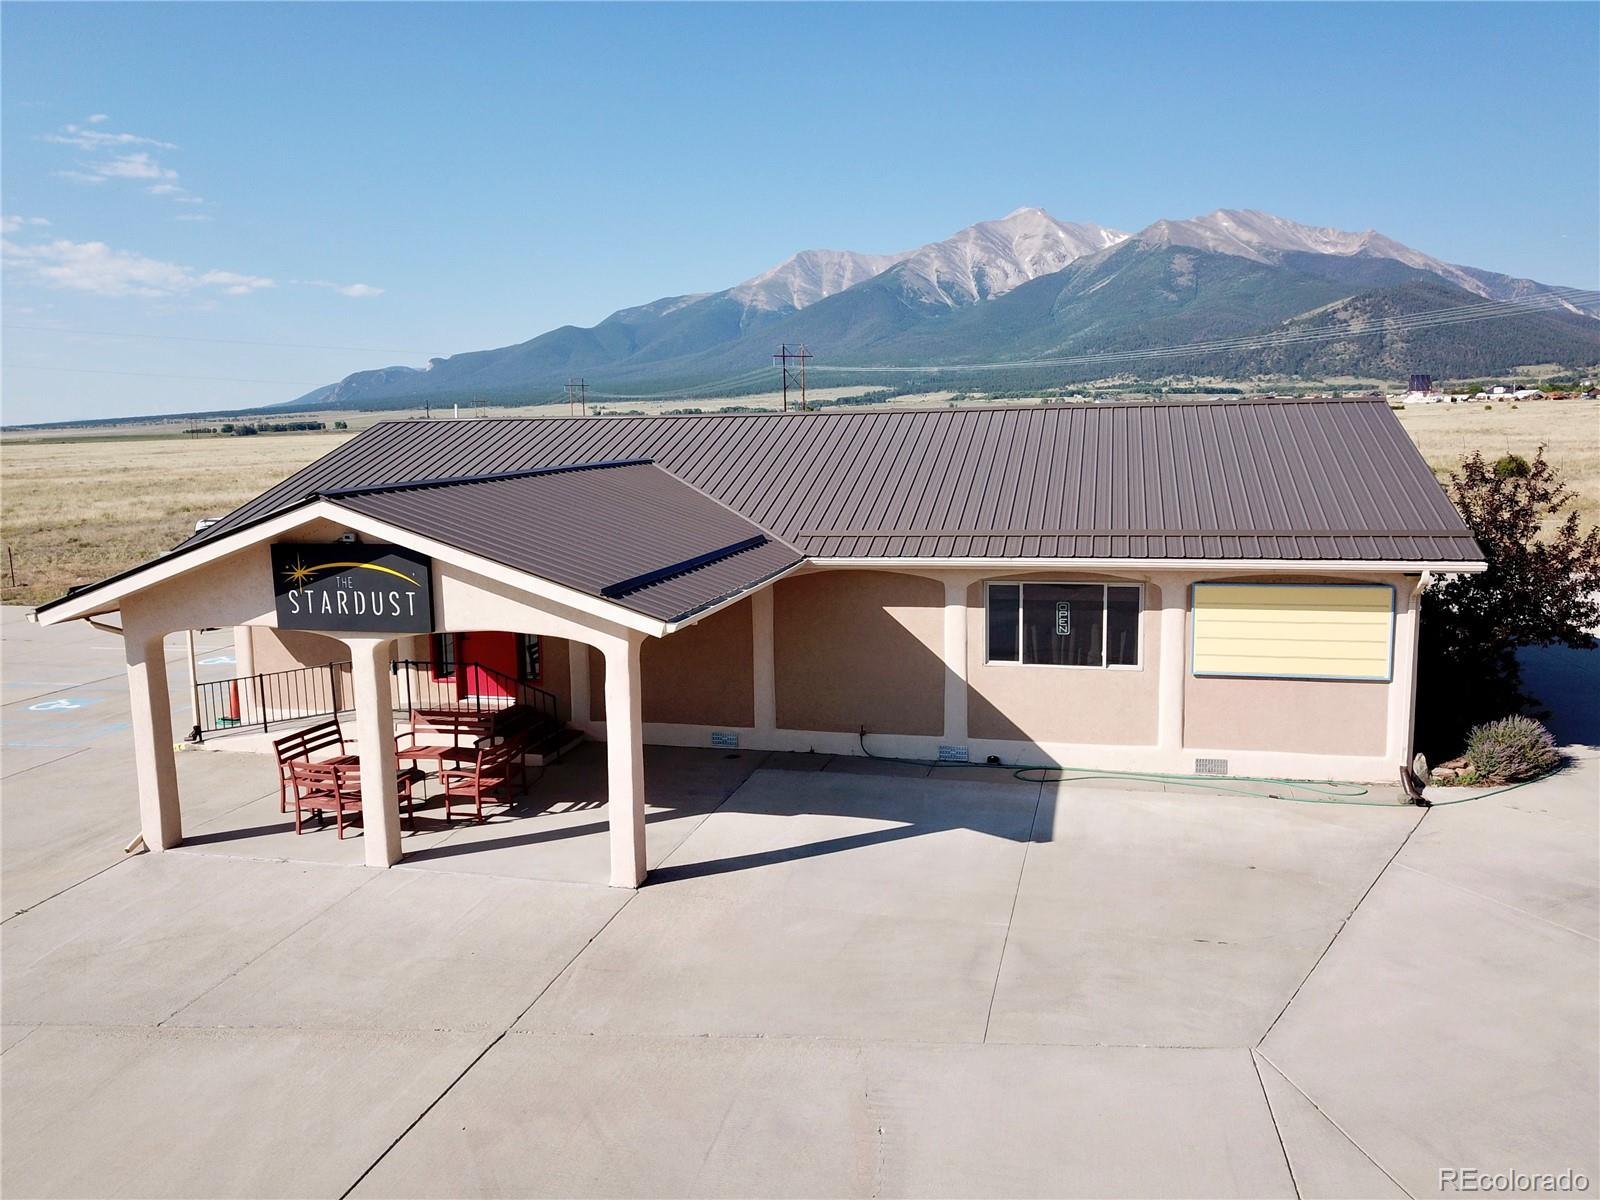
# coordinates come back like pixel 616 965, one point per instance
pixel 1063 618
pixel 352 588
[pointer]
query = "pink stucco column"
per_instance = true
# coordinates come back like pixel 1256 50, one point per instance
pixel 154 766
pixel 380 798
pixel 1173 666
pixel 625 759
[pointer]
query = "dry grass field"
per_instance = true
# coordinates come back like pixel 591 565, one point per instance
pixel 77 510
pixel 1568 429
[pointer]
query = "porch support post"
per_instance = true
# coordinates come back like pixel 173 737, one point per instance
pixel 578 679
pixel 374 705
pixel 156 770
pixel 1173 666
pixel 625 759
pixel 764 666
pixel 955 659
pixel 1402 711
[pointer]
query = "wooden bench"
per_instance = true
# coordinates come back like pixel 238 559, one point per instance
pixel 300 745
pixel 490 774
pixel 337 785
pixel 451 734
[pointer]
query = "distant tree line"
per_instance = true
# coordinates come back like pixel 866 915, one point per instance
pixel 247 429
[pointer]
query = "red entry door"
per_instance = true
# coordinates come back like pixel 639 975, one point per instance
pixel 495 651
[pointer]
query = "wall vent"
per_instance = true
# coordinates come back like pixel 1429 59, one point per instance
pixel 1210 766
pixel 955 754
pixel 727 741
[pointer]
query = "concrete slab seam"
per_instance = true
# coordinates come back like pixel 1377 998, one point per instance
pixel 70 886
pixel 1344 1133
pixel 321 912
pixel 1450 883
pixel 31 1031
pixel 1345 921
pixel 999 967
pixel 493 1042
pixel 1288 1166
pixel 49 762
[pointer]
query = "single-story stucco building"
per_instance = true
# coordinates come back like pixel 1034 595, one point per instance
pixel 1225 587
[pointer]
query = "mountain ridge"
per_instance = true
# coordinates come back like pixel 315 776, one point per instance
pixel 1031 285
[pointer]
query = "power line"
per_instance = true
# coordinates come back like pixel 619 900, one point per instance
pixel 174 337
pixel 578 393
pixel 153 375
pixel 784 357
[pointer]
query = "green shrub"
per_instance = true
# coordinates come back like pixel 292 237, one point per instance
pixel 1510 750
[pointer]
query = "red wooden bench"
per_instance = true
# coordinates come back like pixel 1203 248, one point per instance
pixel 319 786
pixel 487 775
pixel 301 745
pixel 443 735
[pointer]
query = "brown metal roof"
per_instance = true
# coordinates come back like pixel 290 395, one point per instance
pixel 628 532
pixel 1334 480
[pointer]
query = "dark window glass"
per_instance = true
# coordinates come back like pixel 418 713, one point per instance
pixel 1122 626
pixel 444 656
pixel 1003 622
pixel 1063 624
pixel 532 658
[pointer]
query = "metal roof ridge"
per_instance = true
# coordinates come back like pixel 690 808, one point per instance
pixel 462 480
pixel 890 409
pixel 624 587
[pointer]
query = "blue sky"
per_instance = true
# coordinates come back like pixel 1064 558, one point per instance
pixel 368 184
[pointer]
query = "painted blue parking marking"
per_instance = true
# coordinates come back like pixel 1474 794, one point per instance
pixel 216 660
pixel 63 704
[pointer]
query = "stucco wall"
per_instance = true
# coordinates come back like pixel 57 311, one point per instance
pixel 701 675
pixel 285 649
pixel 1304 716
pixel 1022 702
pixel 854 648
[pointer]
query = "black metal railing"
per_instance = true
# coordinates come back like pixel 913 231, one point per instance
pixel 473 688
pixel 261 701
pixel 301 693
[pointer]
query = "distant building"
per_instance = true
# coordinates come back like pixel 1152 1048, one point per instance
pixel 1421 383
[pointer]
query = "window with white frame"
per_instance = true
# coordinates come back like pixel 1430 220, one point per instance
pixel 1064 624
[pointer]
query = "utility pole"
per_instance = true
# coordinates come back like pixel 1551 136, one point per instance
pixel 796 373
pixel 578 393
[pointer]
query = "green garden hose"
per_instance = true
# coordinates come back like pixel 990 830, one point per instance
pixel 1317 793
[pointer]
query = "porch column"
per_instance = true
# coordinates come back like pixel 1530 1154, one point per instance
pixel 578 680
pixel 154 765
pixel 763 668
pixel 1402 709
pixel 955 659
pixel 625 759
pixel 1173 665
pixel 374 705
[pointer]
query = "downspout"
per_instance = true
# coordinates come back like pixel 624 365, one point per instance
pixel 1414 775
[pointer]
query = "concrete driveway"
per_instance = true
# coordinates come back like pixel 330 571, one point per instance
pixel 836 983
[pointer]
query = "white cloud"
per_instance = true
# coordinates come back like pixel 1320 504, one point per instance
pixel 192 216
pixel 96 268
pixel 114 158
pixel 11 224
pixel 356 291
pixel 133 166
pixel 85 138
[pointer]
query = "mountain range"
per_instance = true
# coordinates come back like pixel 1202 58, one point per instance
pixel 1029 300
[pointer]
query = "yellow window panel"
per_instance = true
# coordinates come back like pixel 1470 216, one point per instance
pixel 1293 630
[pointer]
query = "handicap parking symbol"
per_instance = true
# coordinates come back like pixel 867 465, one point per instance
pixel 64 704
pixel 216 660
